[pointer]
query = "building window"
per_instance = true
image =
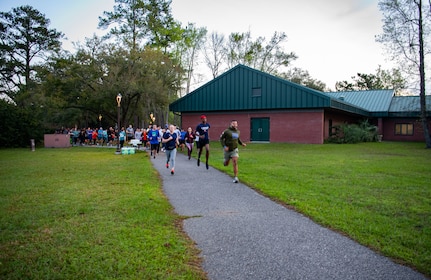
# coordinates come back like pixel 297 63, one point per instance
pixel 403 129
pixel 256 92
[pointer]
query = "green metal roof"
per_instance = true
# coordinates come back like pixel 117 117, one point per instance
pixel 347 107
pixel 244 88
pixel 408 106
pixel 370 100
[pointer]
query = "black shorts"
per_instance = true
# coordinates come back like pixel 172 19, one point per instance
pixel 202 142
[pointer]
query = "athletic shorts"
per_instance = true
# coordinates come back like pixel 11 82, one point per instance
pixel 202 142
pixel 231 154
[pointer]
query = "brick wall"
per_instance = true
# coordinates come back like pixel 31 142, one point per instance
pixel 285 126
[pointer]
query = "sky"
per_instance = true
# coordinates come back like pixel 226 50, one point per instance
pixel 334 40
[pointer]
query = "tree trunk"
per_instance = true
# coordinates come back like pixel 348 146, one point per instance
pixel 423 114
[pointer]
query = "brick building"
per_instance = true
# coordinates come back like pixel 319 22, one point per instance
pixel 271 109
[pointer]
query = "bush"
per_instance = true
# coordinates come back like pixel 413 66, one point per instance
pixel 19 125
pixel 354 133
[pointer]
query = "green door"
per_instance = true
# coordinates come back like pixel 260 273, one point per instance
pixel 260 129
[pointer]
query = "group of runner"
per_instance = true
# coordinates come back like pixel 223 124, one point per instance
pixel 229 139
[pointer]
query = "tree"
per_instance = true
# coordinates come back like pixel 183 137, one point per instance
pixel 406 33
pixel 383 79
pixel 84 85
pixel 302 77
pixel 187 50
pixel 257 54
pixel 142 22
pixel 72 86
pixel 215 53
pixel 18 125
pixel 24 38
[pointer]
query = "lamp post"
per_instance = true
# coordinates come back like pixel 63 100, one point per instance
pixel 118 152
pixel 152 118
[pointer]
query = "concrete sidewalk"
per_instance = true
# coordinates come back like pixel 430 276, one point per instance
pixel 244 235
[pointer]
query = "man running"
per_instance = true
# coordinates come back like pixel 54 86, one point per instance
pixel 230 140
pixel 153 136
pixel 204 140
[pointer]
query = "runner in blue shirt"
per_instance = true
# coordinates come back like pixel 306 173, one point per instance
pixel 204 140
pixel 153 136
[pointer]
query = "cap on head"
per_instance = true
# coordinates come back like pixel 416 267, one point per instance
pixel 203 117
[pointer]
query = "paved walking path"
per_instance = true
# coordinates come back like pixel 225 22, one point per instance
pixel 244 235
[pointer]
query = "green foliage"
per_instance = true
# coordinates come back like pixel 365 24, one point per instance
pixel 303 77
pixel 87 83
pixel 24 37
pixel 267 57
pixel 18 125
pixel 74 89
pixel 142 23
pixel 383 79
pixel 354 133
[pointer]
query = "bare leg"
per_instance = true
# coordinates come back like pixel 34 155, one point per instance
pixel 235 166
pixel 207 155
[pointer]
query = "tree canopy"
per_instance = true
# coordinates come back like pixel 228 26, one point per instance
pixel 137 23
pixel 25 39
pixel 382 79
pixel 146 55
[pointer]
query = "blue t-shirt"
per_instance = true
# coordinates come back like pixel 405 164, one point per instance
pixel 153 136
pixel 122 136
pixel 203 128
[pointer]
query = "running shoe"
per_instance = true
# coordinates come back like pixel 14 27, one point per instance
pixel 235 180
pixel 207 166
pixel 167 165
pixel 199 161
pixel 172 171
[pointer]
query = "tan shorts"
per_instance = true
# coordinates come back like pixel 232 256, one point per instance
pixel 231 154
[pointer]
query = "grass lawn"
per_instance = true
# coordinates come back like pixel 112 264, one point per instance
pixel 379 194
pixel 86 213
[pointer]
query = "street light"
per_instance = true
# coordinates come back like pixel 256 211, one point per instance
pixel 118 152
pixel 152 118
